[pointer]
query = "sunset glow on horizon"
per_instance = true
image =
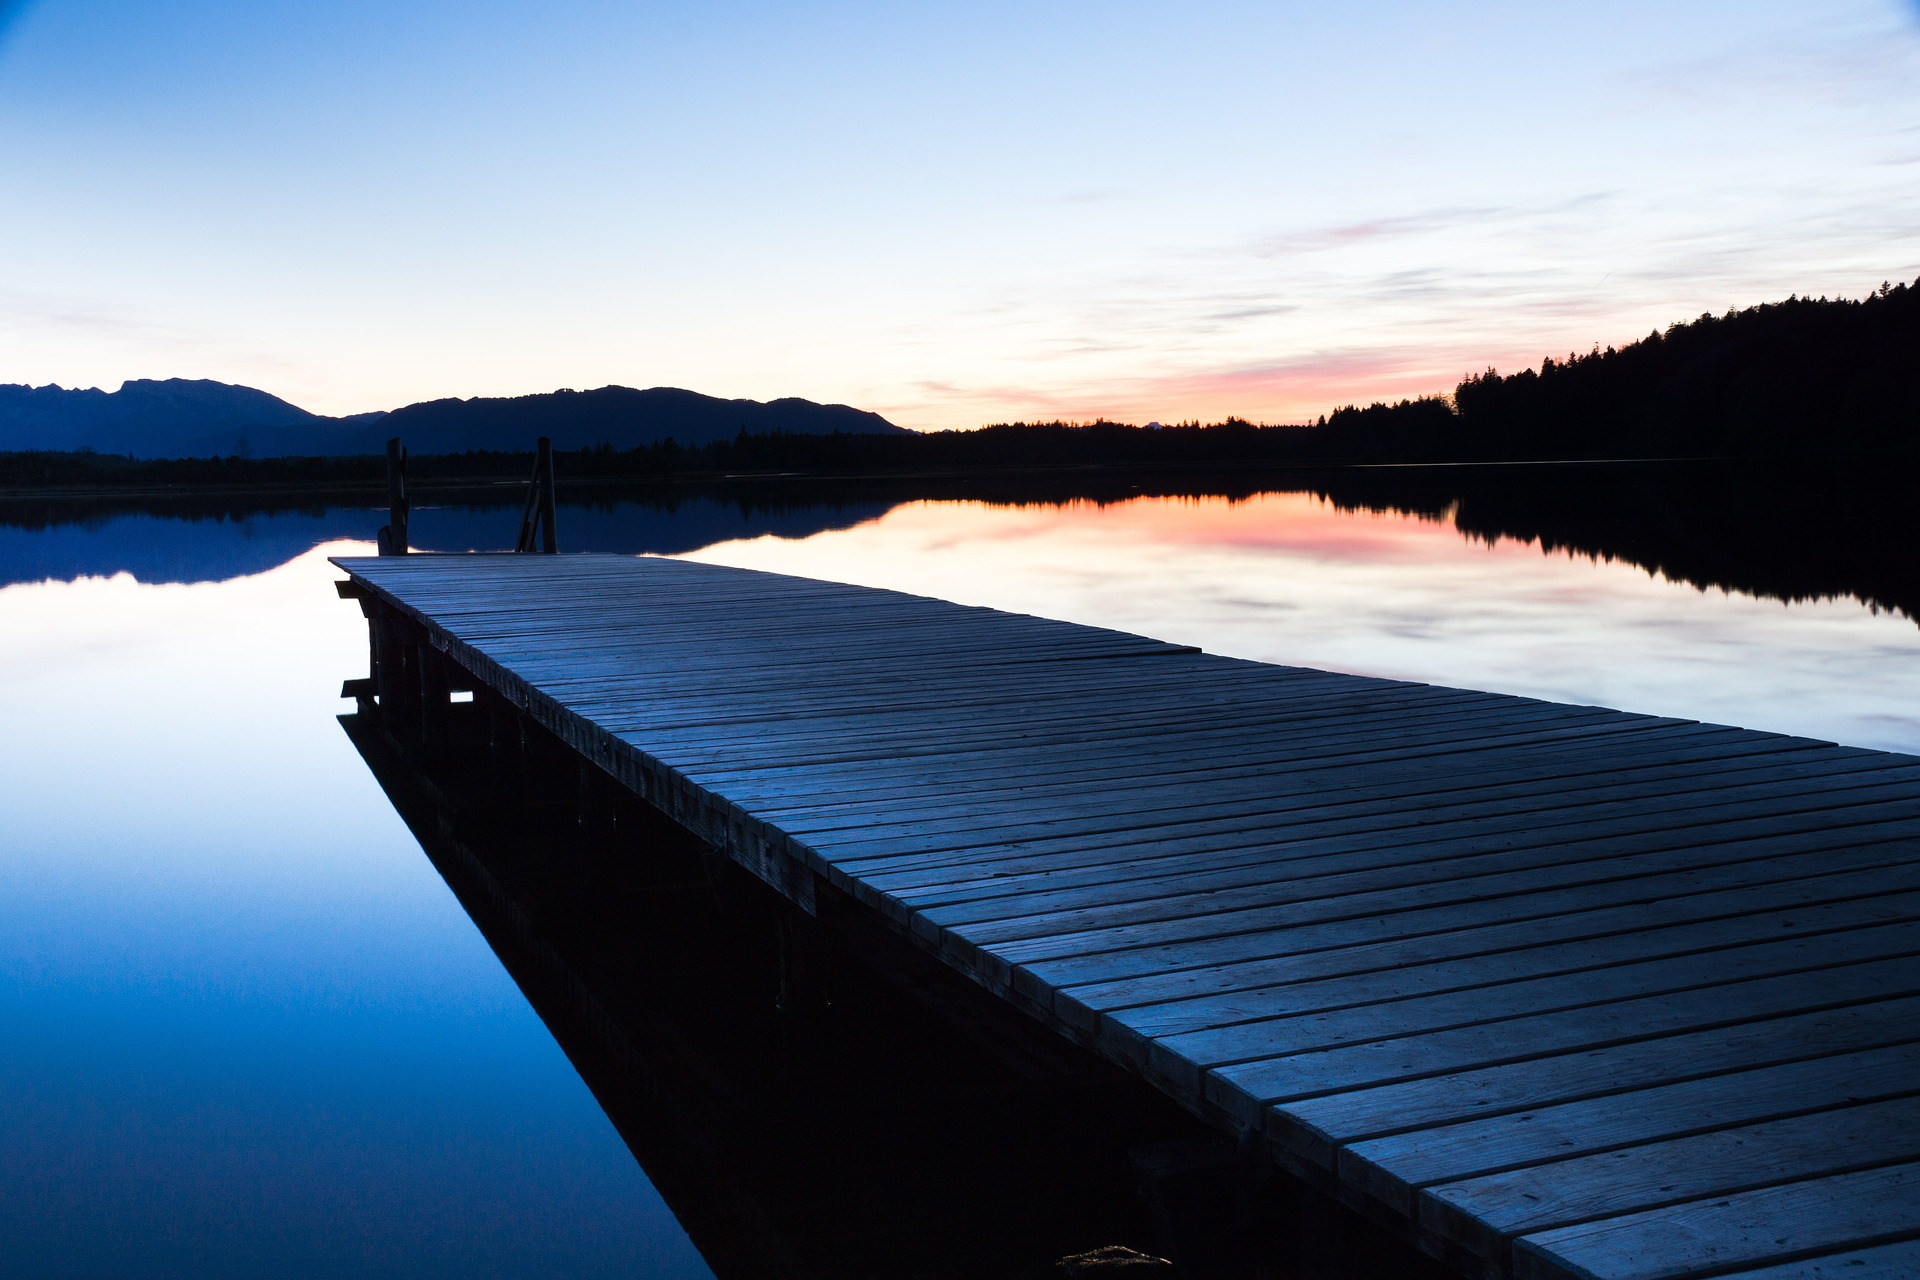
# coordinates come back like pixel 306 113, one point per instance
pixel 951 215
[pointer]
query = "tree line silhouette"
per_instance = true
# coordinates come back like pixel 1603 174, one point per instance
pixel 1805 376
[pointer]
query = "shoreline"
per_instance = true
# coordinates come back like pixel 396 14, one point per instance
pixel 1241 471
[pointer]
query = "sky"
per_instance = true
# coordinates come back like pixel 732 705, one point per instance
pixel 949 214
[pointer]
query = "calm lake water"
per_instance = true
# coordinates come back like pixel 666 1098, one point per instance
pixel 248 1029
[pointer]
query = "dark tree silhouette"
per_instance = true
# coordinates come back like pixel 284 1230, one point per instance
pixel 1804 377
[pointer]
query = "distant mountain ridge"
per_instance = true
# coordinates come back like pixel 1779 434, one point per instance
pixel 190 418
pixel 154 418
pixel 619 416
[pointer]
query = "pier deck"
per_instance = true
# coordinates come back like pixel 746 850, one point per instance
pixel 1558 991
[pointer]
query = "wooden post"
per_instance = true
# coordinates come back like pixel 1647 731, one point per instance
pixel 506 744
pixel 434 695
pixel 397 643
pixel 538 514
pixel 549 538
pixel 393 538
pixel 389 667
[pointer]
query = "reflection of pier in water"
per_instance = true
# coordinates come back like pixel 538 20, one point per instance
pixel 1557 991
pixel 811 1096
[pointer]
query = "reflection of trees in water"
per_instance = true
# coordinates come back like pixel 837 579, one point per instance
pixel 1781 531
pixel 1787 532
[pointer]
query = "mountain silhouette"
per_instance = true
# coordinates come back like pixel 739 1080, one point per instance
pixel 158 418
pixel 197 418
pixel 618 416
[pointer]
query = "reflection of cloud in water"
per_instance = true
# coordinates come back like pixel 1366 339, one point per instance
pixel 1286 579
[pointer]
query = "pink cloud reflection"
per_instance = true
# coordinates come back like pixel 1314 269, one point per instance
pixel 1298 523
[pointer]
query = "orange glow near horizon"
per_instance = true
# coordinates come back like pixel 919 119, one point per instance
pixel 1282 393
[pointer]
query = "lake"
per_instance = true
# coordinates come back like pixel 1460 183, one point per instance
pixel 251 1031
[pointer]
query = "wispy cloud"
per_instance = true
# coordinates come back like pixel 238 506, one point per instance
pixel 1867 62
pixel 1285 326
pixel 1321 239
pixel 140 343
pixel 98 319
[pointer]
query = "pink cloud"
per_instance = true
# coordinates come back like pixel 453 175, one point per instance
pixel 1280 391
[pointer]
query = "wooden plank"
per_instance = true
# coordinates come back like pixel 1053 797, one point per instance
pixel 979 822
pixel 1000 783
pixel 1313 1130
pixel 1007 760
pixel 1392 1170
pixel 1154 894
pixel 1244 1065
pixel 1179 999
pixel 1439 770
pixel 1311 987
pixel 1491 1022
pixel 1302 821
pixel 1679 873
pixel 1247 1088
pixel 1717 1235
pixel 795 738
pixel 836 740
pixel 945 771
pixel 1070 853
pixel 1898 1261
pixel 1485 1214
pixel 1374 1006
pixel 1609 860
pixel 1585 774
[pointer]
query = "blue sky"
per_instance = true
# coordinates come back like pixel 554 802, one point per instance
pixel 950 214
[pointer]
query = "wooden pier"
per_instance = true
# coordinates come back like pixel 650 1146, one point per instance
pixel 1553 991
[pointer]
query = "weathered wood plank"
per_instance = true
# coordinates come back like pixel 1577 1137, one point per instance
pixel 1617 953
pixel 1485 1213
pixel 1608 859
pixel 1719 1234
pixel 1164 895
pixel 1181 999
pixel 1900 1261
pixel 1674 875
pixel 1639 772
pixel 1314 1131
pixel 1247 1088
pixel 1392 1170
pixel 1339 1012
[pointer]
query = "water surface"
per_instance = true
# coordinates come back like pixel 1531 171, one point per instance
pixel 249 1031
